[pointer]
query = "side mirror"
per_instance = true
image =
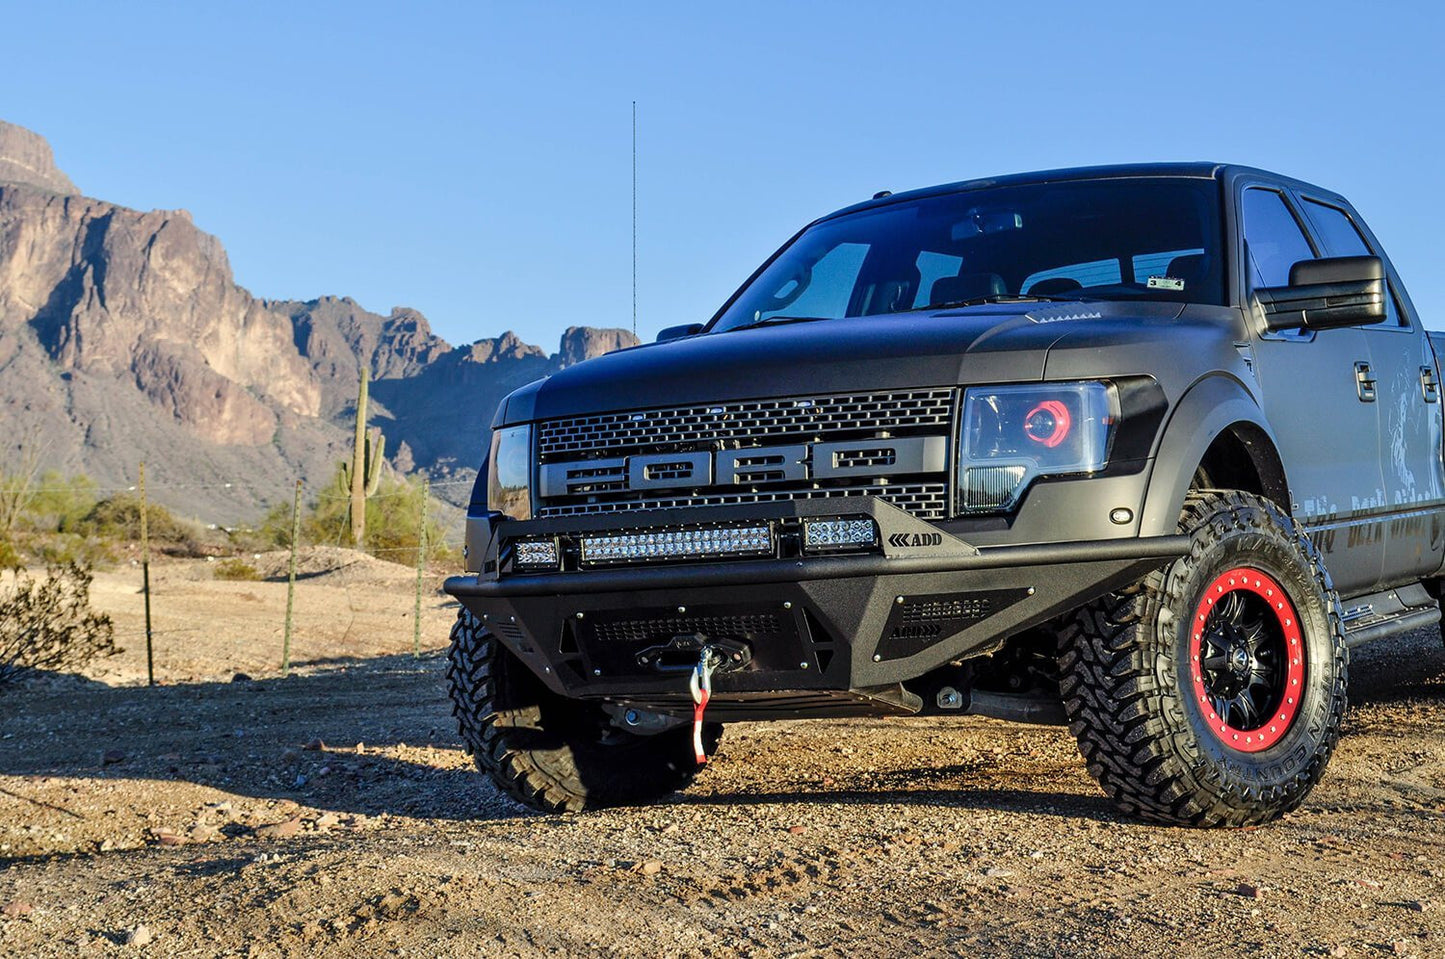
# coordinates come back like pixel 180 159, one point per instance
pixel 1326 294
pixel 678 332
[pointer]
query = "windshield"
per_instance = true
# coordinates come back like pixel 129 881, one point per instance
pixel 1141 238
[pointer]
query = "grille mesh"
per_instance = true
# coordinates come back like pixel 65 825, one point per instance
pixel 752 421
pixel 661 630
pixel 924 500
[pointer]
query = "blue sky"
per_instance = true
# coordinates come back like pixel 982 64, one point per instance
pixel 474 160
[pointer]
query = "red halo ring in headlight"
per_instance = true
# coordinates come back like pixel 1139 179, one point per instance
pixel 1061 425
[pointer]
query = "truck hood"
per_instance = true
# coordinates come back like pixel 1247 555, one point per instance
pixel 993 343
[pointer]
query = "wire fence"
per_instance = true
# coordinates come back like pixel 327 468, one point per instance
pixel 326 528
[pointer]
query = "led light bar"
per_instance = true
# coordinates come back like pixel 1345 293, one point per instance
pixel 656 545
pixel 831 534
pixel 536 554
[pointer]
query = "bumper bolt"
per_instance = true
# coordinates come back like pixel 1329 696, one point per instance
pixel 632 717
pixel 898 600
pixel 596 672
pixel 1031 590
pixel 581 616
pixel 948 698
pixel 877 658
pixel 803 665
pixel 787 604
pixel 681 610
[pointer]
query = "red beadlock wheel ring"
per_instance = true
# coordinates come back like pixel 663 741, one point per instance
pixel 1246 659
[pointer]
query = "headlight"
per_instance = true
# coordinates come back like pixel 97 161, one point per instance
pixel 509 473
pixel 1014 434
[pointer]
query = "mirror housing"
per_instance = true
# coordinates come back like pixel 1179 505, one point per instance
pixel 1326 294
pixel 678 332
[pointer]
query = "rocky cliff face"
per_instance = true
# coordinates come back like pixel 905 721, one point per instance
pixel 123 336
pixel 26 158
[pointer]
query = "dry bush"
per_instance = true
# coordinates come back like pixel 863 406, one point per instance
pixel 48 623
pixel 236 569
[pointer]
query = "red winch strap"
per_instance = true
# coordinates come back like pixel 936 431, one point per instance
pixel 700 684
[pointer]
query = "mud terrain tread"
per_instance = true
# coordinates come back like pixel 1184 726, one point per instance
pixel 1130 727
pixel 489 723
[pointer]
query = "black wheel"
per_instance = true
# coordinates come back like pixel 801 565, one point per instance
pixel 549 752
pixel 1211 693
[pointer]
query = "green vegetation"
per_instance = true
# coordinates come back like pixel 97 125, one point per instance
pixel 51 519
pixel 236 569
pixel 393 520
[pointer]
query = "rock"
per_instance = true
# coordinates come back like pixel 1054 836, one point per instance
pixel 285 829
pixel 167 837
pixel 15 908
pixel 134 319
pixel 797 830
pixel 997 872
pixel 315 745
pixel 240 677
pixel 1249 891
pixel 327 820
pixel 650 868
pixel 202 833
pixel 112 756
pixel 140 936
pixel 25 157
pixel 1417 905
pixel 583 343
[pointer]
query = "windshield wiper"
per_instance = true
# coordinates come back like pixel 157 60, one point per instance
pixel 771 320
pixel 1000 298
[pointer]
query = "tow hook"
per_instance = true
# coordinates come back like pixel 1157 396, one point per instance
pixel 680 654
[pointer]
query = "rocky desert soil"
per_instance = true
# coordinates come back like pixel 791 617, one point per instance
pixel 333 813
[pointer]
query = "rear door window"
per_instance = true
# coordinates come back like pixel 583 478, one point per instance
pixel 1339 236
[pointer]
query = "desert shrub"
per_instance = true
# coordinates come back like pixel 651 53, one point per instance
pixel 9 556
pixel 48 623
pixel 393 521
pixel 118 517
pixel 60 503
pixel 236 569
pixel 62 549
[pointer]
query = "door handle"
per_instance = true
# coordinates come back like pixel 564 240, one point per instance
pixel 1364 382
pixel 1429 385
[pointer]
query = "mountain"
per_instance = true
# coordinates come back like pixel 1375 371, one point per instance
pixel 124 337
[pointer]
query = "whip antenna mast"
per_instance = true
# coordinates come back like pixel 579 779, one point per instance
pixel 634 217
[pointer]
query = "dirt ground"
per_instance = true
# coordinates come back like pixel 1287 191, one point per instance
pixel 333 813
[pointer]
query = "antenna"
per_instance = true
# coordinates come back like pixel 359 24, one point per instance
pixel 634 218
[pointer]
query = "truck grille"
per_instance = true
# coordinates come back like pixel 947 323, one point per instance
pixel 755 422
pixel 891 445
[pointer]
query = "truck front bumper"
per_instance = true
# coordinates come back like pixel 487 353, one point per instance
pixel 811 635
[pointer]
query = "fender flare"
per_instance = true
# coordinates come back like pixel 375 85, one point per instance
pixel 1208 408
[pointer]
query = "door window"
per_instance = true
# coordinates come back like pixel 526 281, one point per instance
pixel 1341 237
pixel 1272 237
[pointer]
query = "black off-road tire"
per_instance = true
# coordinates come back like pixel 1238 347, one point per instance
pixel 549 752
pixel 1154 739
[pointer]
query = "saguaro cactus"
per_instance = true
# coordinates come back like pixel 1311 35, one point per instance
pixel 362 477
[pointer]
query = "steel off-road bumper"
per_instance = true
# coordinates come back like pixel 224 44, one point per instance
pixel 825 635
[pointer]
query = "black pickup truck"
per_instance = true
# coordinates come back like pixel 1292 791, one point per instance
pixel 1140 449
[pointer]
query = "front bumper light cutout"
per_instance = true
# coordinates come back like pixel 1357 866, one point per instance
pixel 536 555
pixel 827 535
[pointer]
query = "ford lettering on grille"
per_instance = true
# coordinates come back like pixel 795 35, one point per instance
pixel 881 444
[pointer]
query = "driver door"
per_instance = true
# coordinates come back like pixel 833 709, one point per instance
pixel 1318 394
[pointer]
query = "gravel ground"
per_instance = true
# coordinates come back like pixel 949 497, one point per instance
pixel 333 812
